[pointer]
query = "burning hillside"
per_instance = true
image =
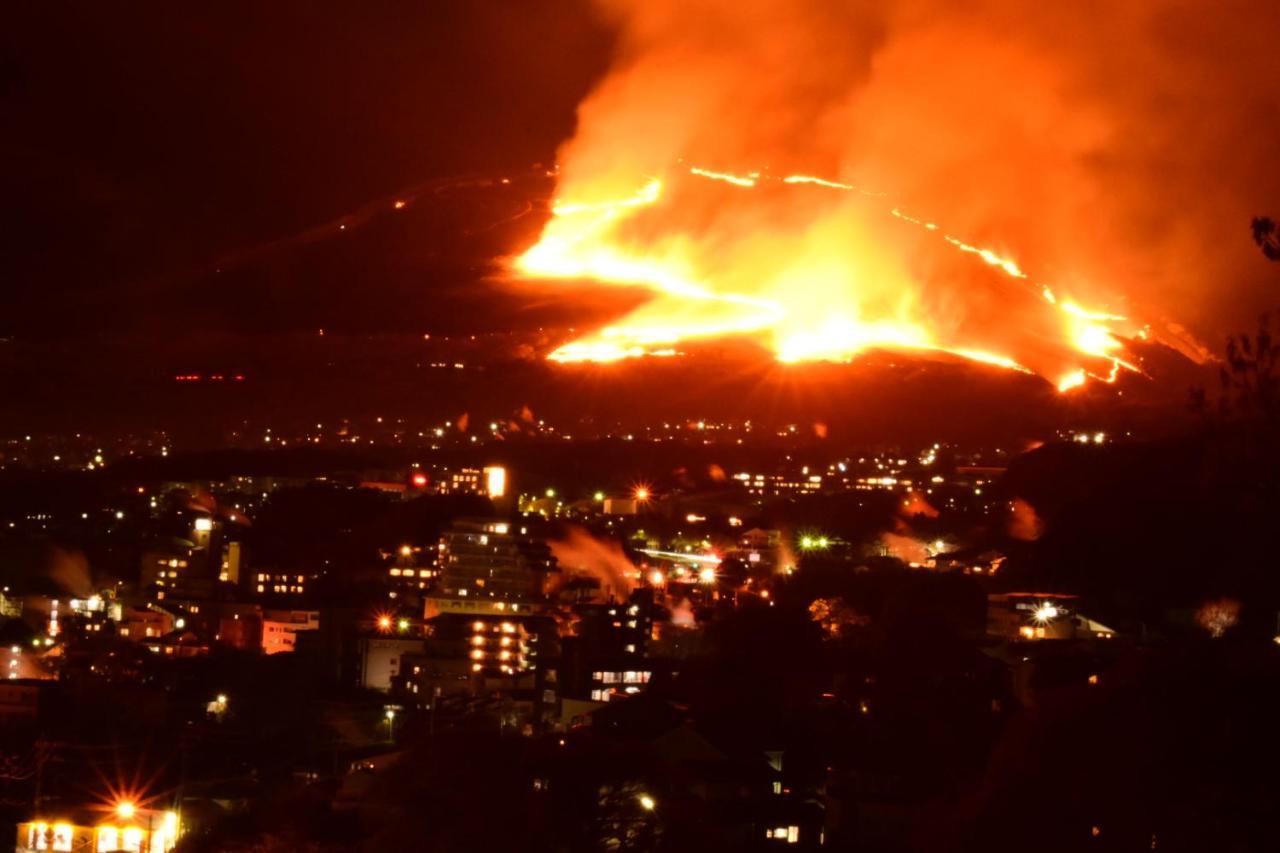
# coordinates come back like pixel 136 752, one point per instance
pixel 863 182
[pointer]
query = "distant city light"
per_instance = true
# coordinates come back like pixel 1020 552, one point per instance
pixel 647 802
pixel 707 575
pixel 641 493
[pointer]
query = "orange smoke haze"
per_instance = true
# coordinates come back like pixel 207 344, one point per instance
pixel 1024 522
pixel 1029 187
pixel 908 549
pixel 581 553
pixel 70 571
pixel 915 504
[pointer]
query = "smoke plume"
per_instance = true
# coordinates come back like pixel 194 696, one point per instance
pixel 915 504
pixel 1116 149
pixel 908 549
pixel 580 552
pixel 70 571
pixel 1024 522
pixel 682 614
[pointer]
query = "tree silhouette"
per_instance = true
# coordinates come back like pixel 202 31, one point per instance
pixel 1248 373
pixel 1267 236
pixel 1250 385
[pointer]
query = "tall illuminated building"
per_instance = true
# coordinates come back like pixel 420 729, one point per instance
pixel 490 566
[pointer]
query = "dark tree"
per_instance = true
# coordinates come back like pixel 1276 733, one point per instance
pixel 1267 236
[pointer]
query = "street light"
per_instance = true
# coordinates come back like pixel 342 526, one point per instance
pixel 125 809
pixel 647 802
pixel 1045 613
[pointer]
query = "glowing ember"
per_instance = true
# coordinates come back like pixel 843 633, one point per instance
pixel 1074 379
pixel 737 181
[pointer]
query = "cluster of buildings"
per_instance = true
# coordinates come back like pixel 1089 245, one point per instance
pixel 497 614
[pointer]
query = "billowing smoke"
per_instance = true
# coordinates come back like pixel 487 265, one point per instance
pixel 1116 149
pixel 1024 522
pixel 906 548
pixel 915 504
pixel 682 614
pixel 581 553
pixel 70 571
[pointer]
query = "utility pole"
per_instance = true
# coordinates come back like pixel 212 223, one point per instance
pixel 43 748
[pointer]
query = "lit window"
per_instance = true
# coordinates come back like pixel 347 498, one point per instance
pixel 61 836
pixel 131 840
pixel 108 839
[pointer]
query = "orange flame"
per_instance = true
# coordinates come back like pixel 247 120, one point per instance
pixel 811 296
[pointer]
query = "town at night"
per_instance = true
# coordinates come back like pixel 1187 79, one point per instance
pixel 603 425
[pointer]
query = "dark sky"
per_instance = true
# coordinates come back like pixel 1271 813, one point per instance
pixel 144 141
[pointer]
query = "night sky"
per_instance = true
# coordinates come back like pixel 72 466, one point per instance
pixel 146 143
